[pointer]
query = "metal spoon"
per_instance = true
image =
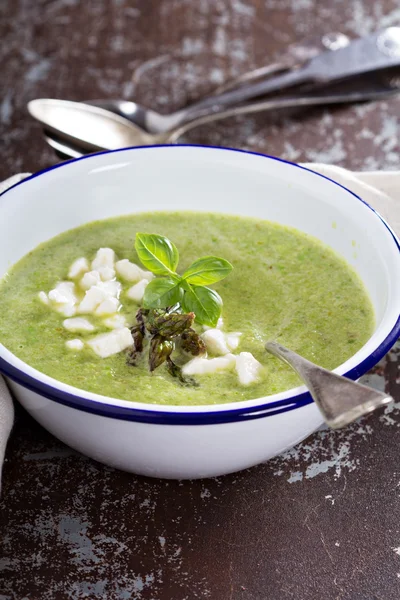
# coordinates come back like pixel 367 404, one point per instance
pixel 91 129
pixel 62 149
pixel 340 400
pixel 378 50
pixel 139 115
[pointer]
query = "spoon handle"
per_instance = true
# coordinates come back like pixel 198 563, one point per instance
pixel 369 92
pixel 340 400
pixel 379 50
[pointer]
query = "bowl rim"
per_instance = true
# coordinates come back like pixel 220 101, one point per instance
pixel 191 414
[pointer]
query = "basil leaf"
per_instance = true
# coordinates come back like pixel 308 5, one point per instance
pixel 157 253
pixel 162 292
pixel 204 302
pixel 207 270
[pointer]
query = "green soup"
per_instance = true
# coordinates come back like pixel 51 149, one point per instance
pixel 285 286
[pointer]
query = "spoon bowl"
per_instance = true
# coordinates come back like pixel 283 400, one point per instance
pixel 90 127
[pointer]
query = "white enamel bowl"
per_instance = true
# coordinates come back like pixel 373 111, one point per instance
pixel 190 442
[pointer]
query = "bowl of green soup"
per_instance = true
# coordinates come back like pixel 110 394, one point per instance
pixel 139 287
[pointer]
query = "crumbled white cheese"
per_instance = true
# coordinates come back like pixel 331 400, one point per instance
pixel 233 339
pixel 89 279
pixel 105 257
pixel 219 325
pixel 115 341
pixel 136 292
pixel 220 343
pixel 115 322
pixel 63 293
pixel 148 275
pixel 102 291
pixel 78 268
pixel 75 344
pixel 110 288
pixel 201 366
pixel 128 270
pixel 109 306
pixel 63 298
pixel 131 272
pixel 215 342
pixel 248 368
pixel 67 310
pixel 93 297
pixel 106 273
pixel 78 324
pixel 43 298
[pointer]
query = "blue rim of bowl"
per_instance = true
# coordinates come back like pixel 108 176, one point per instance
pixel 154 416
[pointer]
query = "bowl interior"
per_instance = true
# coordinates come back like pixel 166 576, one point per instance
pixel 207 179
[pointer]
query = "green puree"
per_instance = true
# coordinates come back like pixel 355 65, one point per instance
pixel 285 286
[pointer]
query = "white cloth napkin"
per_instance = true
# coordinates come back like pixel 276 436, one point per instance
pixel 379 188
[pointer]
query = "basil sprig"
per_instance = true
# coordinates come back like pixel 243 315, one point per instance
pixel 160 256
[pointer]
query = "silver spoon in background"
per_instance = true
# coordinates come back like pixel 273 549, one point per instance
pixel 295 55
pixel 89 129
pixel 141 116
pixel 379 50
pixel 340 400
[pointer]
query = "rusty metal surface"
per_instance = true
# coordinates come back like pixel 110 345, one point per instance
pixel 323 520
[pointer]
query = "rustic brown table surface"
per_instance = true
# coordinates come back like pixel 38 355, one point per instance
pixel 320 522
